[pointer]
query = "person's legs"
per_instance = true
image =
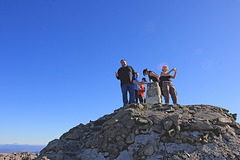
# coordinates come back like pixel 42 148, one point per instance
pixel 136 96
pixel 131 93
pixel 165 88
pixel 124 94
pixel 144 99
pixel 161 86
pixel 173 94
pixel 140 98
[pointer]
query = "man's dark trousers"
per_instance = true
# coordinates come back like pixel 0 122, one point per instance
pixel 128 88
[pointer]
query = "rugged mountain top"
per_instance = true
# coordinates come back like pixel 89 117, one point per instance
pixel 152 131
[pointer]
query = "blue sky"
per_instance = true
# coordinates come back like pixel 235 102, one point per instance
pixel 58 58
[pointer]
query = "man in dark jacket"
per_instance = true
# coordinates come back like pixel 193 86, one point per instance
pixel 126 74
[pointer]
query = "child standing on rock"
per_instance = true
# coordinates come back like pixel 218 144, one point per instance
pixel 136 86
pixel 141 91
pixel 166 85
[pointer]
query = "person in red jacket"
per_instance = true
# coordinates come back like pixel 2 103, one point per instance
pixel 141 91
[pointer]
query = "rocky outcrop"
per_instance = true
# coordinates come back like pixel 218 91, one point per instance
pixel 18 156
pixel 152 131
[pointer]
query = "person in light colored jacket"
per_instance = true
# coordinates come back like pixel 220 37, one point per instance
pixel 167 86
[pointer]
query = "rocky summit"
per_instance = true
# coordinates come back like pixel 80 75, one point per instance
pixel 153 132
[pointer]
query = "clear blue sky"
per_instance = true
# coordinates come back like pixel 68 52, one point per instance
pixel 58 58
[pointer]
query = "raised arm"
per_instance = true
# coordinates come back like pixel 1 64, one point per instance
pixel 174 76
pixel 167 74
pixel 117 74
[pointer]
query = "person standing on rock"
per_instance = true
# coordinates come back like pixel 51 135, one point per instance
pixel 166 84
pixel 126 75
pixel 136 86
pixel 141 91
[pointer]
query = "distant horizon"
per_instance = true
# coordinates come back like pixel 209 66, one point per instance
pixel 10 148
pixel 24 144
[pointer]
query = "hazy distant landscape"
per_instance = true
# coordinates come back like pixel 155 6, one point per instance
pixel 9 148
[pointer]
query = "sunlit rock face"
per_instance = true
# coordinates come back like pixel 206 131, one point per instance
pixel 152 131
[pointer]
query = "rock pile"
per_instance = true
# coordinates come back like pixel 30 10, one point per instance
pixel 18 156
pixel 152 131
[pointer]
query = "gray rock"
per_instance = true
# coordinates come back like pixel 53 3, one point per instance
pixel 170 110
pixel 72 137
pixel 147 150
pixel 151 131
pixel 140 120
pixel 223 121
pixel 237 131
pixel 130 138
pixel 167 124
